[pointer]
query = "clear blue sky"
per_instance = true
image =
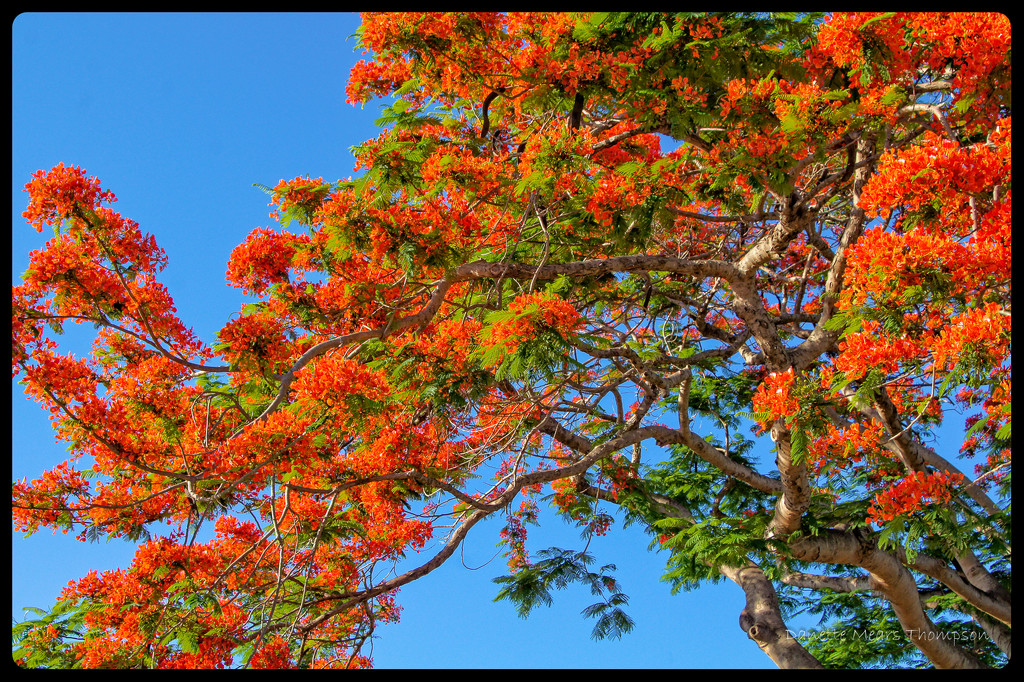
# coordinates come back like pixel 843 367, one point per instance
pixel 178 114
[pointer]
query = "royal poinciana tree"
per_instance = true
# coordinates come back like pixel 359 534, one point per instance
pixel 590 261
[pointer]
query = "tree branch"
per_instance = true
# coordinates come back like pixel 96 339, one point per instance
pixel 893 581
pixel 762 619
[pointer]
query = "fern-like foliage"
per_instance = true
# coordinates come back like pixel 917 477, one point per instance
pixel 557 569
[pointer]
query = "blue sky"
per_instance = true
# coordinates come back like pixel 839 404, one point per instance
pixel 179 115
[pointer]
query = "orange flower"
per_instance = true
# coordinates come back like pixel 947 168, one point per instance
pixel 912 493
pixel 54 194
pixel 531 312
pixel 774 395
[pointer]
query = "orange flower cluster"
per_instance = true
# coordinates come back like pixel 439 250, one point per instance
pixel 254 339
pixel 775 396
pixel 985 331
pixel 261 441
pixel 565 494
pixel 531 311
pixel 840 448
pixel 600 524
pixel 866 350
pixel 331 379
pixel 56 193
pixel 614 194
pixel 911 493
pixel 104 268
pixel 740 89
pixel 274 654
pixel 135 598
pixel 303 192
pixel 936 168
pixel 687 92
pixel 391 443
pixel 448 346
pixel 621 475
pixel 263 259
pixel 455 164
pixel 437 31
pixel 976 42
pixel 39 504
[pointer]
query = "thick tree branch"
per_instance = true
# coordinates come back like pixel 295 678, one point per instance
pixel 793 219
pixel 891 579
pixel 796 496
pixel 835 583
pixel 762 619
pixel 996 605
pixel 713 456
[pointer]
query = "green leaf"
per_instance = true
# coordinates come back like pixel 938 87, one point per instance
pixel 586 30
pixel 630 168
pixel 791 123
pixel 408 86
pixel 188 641
pixel 755 201
pixel 612 622
pixel 880 17
pixel 798 444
